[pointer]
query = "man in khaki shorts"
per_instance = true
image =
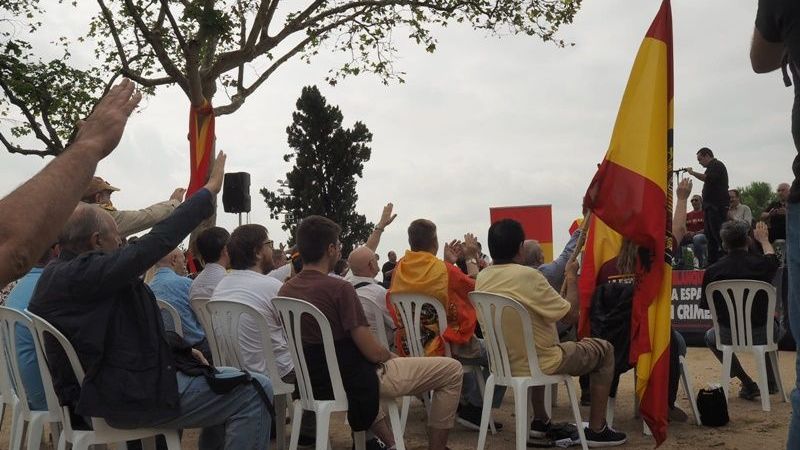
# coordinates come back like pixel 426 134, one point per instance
pixel 595 357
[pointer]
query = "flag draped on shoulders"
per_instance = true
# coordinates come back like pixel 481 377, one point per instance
pixel 424 273
pixel 201 145
pixel 631 194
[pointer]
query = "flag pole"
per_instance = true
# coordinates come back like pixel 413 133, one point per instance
pixel 578 247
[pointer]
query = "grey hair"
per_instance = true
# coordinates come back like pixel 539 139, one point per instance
pixel 734 234
pixel 81 225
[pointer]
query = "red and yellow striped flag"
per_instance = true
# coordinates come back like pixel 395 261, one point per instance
pixel 602 247
pixel 631 194
pixel 201 145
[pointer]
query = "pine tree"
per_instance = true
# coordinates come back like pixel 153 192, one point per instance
pixel 327 160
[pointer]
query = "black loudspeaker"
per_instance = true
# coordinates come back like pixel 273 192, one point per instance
pixel 236 192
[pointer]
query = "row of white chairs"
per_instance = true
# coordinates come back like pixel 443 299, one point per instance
pixel 223 318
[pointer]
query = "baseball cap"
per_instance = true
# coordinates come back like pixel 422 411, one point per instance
pixel 98 185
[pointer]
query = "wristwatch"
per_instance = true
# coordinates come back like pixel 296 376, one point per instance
pixel 473 261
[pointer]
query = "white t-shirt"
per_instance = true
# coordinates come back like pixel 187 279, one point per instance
pixel 281 273
pixel 256 290
pixel 203 286
pixel 377 295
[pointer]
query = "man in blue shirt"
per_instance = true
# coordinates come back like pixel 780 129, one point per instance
pixel 18 299
pixel 171 285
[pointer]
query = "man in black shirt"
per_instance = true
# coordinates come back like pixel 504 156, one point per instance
pixel 715 199
pixel 741 264
pixel 388 268
pixel 775 214
pixel 776 44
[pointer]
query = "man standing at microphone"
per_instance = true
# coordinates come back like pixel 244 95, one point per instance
pixel 716 200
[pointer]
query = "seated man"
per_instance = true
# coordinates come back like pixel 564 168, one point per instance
pixel 591 356
pixel 421 272
pixel 93 294
pixel 250 251
pixel 693 234
pixel 368 370
pixel 740 264
pixel 19 298
pixel 170 284
pixel 210 245
pixel 364 265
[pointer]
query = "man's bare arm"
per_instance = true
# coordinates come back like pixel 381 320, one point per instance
pixel 386 218
pixel 571 279
pixel 679 217
pixel 34 213
pixel 765 56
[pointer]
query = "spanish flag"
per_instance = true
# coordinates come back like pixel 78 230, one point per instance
pixel 631 193
pixel 601 249
pixel 201 145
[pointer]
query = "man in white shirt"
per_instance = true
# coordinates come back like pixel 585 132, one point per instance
pixel 211 246
pixel 738 210
pixel 364 266
pixel 250 253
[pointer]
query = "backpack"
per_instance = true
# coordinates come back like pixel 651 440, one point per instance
pixel 713 407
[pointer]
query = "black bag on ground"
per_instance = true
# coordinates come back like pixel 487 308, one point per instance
pixel 713 407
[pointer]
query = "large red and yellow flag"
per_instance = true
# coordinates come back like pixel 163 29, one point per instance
pixel 631 193
pixel 201 145
pixel 601 249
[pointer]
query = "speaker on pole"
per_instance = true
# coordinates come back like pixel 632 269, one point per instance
pixel 236 192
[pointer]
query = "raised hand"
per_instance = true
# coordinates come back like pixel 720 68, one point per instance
pixel 684 188
pixel 102 130
pixel 178 194
pixel 761 232
pixel 451 251
pixel 214 183
pixel 471 246
pixel 386 216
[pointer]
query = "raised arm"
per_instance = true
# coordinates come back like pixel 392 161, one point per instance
pixel 679 217
pixel 386 218
pixel 34 213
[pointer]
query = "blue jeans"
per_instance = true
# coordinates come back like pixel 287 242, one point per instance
pixel 699 243
pixel 470 390
pixel 793 263
pixel 236 420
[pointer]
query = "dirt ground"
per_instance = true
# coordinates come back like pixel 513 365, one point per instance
pixel 750 428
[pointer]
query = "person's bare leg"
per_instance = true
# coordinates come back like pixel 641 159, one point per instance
pixel 537 399
pixel 437 439
pixel 381 429
pixel 597 409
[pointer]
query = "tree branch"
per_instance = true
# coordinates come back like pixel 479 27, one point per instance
pixel 161 53
pixel 174 25
pixel 146 82
pixel 109 18
pixel 238 99
pixel 37 129
pixel 23 151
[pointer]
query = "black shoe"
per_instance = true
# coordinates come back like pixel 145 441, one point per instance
pixel 306 441
pixel 469 417
pixel 558 432
pixel 677 415
pixel 749 391
pixel 607 437
pixel 586 398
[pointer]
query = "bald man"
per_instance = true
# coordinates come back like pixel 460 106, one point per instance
pixel 553 271
pixel 171 284
pixel 364 265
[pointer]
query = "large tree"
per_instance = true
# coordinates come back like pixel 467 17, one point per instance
pixel 204 46
pixel 328 158
pixel 757 195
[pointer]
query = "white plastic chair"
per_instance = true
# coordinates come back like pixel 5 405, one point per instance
pixel 164 306
pixel 199 307
pixel 101 432
pixel 738 296
pixel 490 308
pixel 380 332
pixel 291 311
pixel 409 310
pixel 225 319
pixel 21 412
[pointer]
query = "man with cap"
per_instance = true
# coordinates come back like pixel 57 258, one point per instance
pixel 130 222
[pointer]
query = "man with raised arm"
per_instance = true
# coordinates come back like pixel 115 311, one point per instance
pixel 94 295
pixel 49 198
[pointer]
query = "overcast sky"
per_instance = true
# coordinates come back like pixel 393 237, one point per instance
pixel 484 121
